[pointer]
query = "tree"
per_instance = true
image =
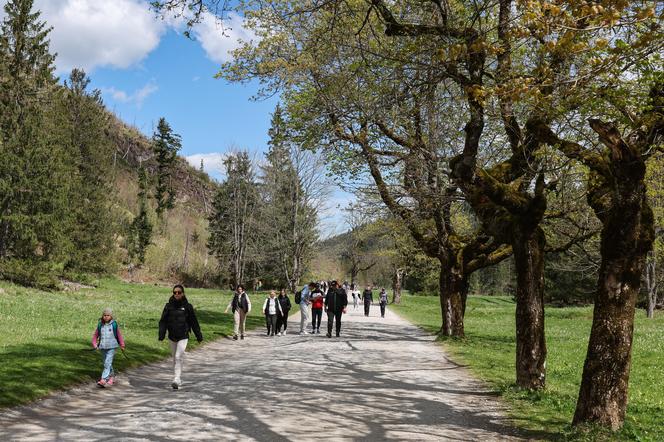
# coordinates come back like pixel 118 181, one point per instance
pixel 34 171
pixel 232 220
pixel 293 186
pixel 355 253
pixel 84 136
pixel 166 145
pixel 139 236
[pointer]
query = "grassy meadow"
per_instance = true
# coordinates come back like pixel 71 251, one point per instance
pixel 489 350
pixel 45 336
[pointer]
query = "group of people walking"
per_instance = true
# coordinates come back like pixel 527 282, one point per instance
pixel 366 297
pixel 178 319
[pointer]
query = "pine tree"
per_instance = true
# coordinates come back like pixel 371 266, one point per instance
pixel 233 221
pixel 34 172
pixel 84 130
pixel 166 145
pixel 140 231
pixel 289 216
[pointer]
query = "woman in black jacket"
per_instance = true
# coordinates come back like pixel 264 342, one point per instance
pixel 178 318
pixel 282 316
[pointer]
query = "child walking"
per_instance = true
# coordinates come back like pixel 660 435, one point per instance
pixel 107 338
pixel 178 318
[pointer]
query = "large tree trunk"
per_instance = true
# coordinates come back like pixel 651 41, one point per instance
pixel 453 293
pixel 528 247
pixel 627 236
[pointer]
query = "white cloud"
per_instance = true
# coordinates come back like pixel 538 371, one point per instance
pixel 213 163
pixel 95 33
pixel 219 38
pixel 137 98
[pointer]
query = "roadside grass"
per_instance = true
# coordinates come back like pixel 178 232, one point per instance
pixel 45 337
pixel 489 350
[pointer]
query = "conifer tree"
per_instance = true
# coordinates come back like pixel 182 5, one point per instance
pixel 290 186
pixel 166 145
pixel 140 231
pixel 92 227
pixel 233 217
pixel 34 174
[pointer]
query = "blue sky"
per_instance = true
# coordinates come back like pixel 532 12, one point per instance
pixel 147 69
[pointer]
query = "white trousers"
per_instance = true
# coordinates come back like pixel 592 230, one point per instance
pixel 177 350
pixel 240 318
pixel 304 316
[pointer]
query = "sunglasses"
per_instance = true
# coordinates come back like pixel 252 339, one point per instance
pixel 177 292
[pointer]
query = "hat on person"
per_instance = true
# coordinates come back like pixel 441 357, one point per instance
pixel 333 282
pixel 108 311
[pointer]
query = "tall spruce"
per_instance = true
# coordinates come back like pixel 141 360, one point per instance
pixel 139 236
pixel 34 171
pixel 84 131
pixel 290 187
pixel 166 145
pixel 233 217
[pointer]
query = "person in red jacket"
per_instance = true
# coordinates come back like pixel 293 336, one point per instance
pixel 317 301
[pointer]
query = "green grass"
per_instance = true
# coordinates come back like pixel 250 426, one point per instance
pixel 45 336
pixel 489 350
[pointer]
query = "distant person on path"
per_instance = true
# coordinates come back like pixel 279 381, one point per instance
pixel 271 308
pixel 356 296
pixel 305 301
pixel 336 301
pixel 178 318
pixel 317 302
pixel 107 338
pixel 367 297
pixel 241 306
pixel 382 299
pixel 282 316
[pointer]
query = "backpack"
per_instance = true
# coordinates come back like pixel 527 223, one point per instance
pixel 298 297
pixel 115 330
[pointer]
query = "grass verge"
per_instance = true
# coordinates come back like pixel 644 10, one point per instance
pixel 489 350
pixel 45 336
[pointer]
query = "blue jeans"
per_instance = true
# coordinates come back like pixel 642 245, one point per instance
pixel 107 356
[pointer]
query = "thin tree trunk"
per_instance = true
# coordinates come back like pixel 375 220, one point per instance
pixel 530 343
pixel 185 259
pixel 396 286
pixel 446 327
pixel 458 292
pixel 651 284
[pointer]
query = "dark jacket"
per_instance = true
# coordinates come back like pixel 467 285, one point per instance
pixel 336 300
pixel 285 304
pixel 240 301
pixel 179 318
pixel 367 296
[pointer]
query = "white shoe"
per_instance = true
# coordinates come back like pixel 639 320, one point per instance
pixel 284 332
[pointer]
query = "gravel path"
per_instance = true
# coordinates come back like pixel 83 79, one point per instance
pixel 383 379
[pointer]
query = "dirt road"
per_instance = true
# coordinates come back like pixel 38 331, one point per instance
pixel 383 379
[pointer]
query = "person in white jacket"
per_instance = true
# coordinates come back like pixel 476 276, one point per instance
pixel 241 305
pixel 272 307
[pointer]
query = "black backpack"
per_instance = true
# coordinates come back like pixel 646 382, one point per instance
pixel 298 297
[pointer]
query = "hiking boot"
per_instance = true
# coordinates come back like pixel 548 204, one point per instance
pixel 175 385
pixel 235 337
pixel 101 383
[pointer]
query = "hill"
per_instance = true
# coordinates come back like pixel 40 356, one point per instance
pixel 178 252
